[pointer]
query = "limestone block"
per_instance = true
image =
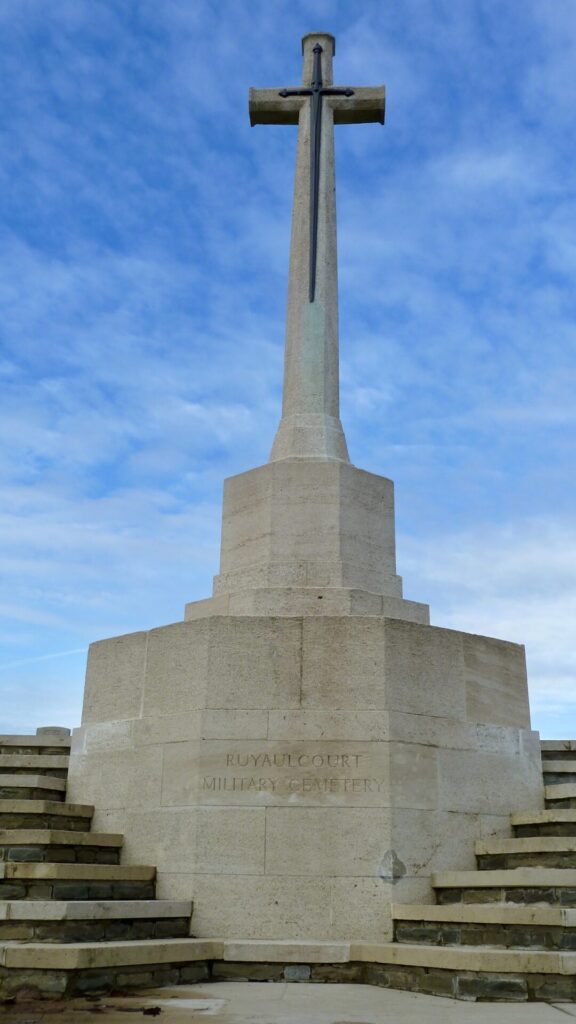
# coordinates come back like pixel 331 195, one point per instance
pixel 165 837
pixel 496 683
pixel 540 878
pixel 466 958
pixel 47 807
pixel 77 955
pixel 116 779
pixel 28 781
pixel 13 762
pixel 176 669
pixel 314 724
pixel 237 724
pixel 180 769
pixel 497 739
pixel 560 746
pixel 102 910
pixel 432 730
pixel 113 820
pixel 410 889
pixel 254 663
pixel 57 733
pixel 457 735
pixel 424 670
pixel 526 844
pixel 552 816
pixel 493 825
pixel 278 773
pixel 558 791
pixel 52 738
pixel 343 664
pixel 297 601
pixel 530 744
pixel 187 725
pixel 414 775
pixel 473 782
pixel 108 736
pixel 261 906
pixel 431 840
pixel 308 523
pixel 231 840
pixel 326 841
pixel 367 524
pixel 287 952
pixel 171 885
pixel 360 909
pixel 490 913
pixel 114 678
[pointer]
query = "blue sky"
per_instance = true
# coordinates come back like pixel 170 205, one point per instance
pixel 145 230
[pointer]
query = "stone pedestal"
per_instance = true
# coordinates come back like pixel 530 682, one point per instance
pixel 308 536
pixel 304 749
pixel 296 775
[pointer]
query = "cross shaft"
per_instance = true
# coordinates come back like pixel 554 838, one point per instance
pixel 316 91
pixel 310 426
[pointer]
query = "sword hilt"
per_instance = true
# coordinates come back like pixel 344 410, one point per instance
pixel 317 82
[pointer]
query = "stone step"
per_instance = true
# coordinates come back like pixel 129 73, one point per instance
pixel 465 972
pixel 485 913
pixel 39 744
pixel 561 794
pixel 556 749
pixel 75 968
pixel 555 886
pixel 55 765
pixel 74 955
pixel 63 881
pixel 58 845
pixel 505 925
pixel 495 853
pixel 45 814
pixel 557 772
pixel 471 972
pixel 87 921
pixel 31 787
pixel 552 822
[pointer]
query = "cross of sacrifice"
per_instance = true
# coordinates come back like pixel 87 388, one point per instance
pixel 288 106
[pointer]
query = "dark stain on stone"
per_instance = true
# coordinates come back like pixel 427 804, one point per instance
pixel 391 868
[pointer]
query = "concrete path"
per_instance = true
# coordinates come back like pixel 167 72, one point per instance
pixel 265 1003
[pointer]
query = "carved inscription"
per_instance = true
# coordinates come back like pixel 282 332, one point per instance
pixel 291 773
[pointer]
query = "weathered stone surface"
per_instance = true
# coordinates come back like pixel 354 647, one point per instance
pixel 508 936
pixel 248 723
pixel 297 972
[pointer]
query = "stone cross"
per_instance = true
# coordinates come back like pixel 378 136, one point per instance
pixel 310 427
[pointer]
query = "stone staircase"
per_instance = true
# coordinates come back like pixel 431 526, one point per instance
pixel 508 929
pixel 61 883
pixel 74 920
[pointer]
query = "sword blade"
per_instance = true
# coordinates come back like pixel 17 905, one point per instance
pixel 315 139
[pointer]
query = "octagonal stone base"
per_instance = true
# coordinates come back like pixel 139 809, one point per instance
pixel 295 775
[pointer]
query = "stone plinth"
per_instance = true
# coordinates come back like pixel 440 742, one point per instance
pixel 295 776
pixel 308 537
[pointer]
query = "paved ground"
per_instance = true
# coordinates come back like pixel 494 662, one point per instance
pixel 251 1003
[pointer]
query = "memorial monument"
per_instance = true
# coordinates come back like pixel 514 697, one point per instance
pixel 304 748
pixel 304 757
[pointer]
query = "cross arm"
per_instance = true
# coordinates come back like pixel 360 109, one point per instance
pixel 366 104
pixel 267 106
